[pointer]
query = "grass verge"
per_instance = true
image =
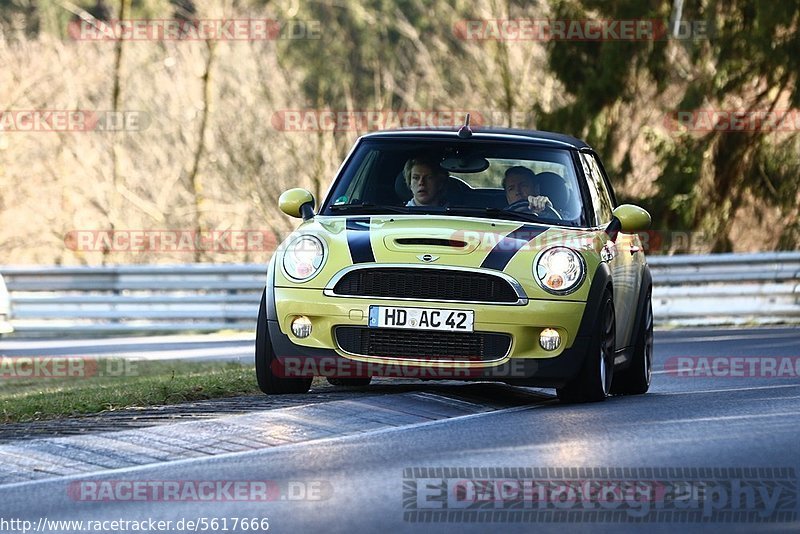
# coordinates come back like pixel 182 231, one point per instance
pixel 119 384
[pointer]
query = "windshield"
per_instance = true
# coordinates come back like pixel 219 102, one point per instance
pixel 477 178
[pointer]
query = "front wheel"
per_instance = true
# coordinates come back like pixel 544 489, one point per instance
pixel 593 383
pixel 269 381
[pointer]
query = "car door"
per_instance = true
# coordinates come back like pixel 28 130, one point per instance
pixel 620 253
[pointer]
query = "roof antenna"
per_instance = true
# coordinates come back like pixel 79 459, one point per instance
pixel 464 132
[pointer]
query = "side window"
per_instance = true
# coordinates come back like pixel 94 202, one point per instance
pixel 605 183
pixel 601 199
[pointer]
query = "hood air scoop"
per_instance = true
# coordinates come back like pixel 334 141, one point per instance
pixel 430 242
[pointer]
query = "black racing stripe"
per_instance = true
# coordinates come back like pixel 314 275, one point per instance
pixel 358 240
pixel 509 245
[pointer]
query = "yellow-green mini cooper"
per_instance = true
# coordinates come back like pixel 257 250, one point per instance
pixel 469 255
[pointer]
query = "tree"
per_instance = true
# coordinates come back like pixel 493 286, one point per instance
pixel 749 62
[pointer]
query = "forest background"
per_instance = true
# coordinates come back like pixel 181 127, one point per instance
pixel 202 133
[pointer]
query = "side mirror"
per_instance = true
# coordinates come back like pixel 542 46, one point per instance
pixel 628 218
pixel 297 202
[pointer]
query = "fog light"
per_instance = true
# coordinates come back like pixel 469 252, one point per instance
pixel 301 327
pixel 549 339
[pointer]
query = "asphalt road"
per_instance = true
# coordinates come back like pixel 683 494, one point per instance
pixel 709 453
pixel 185 347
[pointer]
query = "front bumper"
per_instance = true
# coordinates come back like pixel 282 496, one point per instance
pixel 293 360
pixel 525 361
pixel 523 323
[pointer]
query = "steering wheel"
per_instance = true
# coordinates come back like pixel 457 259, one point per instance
pixel 522 205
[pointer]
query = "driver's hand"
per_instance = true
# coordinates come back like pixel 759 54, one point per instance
pixel 538 204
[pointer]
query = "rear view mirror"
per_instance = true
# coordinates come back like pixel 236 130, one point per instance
pixel 297 202
pixel 465 164
pixel 633 218
pixel 628 218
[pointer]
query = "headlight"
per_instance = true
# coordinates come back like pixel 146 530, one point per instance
pixel 559 270
pixel 303 257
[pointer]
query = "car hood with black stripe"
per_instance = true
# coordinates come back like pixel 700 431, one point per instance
pixel 469 242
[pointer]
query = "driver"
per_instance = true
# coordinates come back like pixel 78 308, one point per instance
pixel 520 183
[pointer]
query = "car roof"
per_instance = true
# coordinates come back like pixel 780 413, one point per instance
pixel 486 133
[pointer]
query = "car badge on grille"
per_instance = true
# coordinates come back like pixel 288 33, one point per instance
pixel 428 258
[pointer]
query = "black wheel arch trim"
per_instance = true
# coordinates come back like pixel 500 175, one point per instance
pixel 272 314
pixel 645 288
pixel 600 281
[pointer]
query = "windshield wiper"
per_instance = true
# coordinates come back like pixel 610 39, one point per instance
pixel 496 212
pixel 368 206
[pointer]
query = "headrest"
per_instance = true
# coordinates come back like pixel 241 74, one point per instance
pixel 400 187
pixel 553 186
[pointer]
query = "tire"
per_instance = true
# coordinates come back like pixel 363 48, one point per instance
pixel 635 379
pixel 349 382
pixel 268 381
pixel 593 383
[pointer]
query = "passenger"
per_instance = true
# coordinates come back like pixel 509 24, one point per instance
pixel 426 180
pixel 521 183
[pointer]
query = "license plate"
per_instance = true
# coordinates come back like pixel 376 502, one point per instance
pixel 421 318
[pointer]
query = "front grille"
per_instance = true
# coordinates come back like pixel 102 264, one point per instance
pixel 429 284
pixel 427 345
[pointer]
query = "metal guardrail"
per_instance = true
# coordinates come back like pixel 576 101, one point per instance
pixel 120 299
pixel 688 290
pixel 735 289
